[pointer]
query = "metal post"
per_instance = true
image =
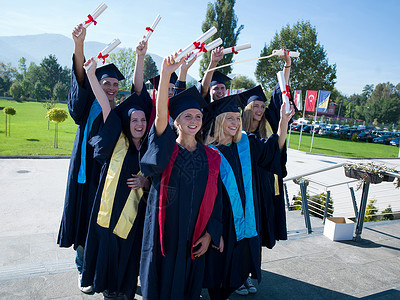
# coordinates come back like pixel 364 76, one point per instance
pixel 286 196
pixel 304 205
pixel 353 198
pixel 361 213
pixel 328 196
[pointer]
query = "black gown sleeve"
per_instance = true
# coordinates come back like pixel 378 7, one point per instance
pixel 159 151
pixel 264 152
pixel 214 225
pixel 80 98
pixel 104 142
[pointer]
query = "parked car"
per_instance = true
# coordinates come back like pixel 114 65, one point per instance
pixel 365 136
pixel 395 142
pixel 383 139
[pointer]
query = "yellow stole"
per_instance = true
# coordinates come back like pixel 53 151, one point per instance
pixel 129 212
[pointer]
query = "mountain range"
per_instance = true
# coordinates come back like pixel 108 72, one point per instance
pixel 36 47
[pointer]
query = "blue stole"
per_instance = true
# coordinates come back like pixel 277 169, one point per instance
pixel 95 110
pixel 245 221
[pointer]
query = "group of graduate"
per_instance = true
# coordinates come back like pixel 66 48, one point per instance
pixel 181 191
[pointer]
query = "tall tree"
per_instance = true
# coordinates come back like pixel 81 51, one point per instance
pixel 149 68
pixel 22 66
pixel 125 60
pixel 384 104
pixel 221 15
pixel 310 71
pixel 51 71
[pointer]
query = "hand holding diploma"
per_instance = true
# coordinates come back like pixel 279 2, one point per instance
pixel 280 52
pixel 92 17
pixel 105 52
pixel 284 90
pixel 151 29
pixel 207 47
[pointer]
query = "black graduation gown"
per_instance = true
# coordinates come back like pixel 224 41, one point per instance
pixel 240 258
pixel 79 197
pixel 111 262
pixel 175 275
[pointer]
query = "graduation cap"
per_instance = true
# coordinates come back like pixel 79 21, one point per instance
pixel 217 107
pixel 219 78
pixel 155 81
pixel 132 103
pixel 129 105
pixel 187 99
pixel 109 70
pixel 254 94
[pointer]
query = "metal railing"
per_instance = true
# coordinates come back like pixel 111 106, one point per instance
pixel 316 198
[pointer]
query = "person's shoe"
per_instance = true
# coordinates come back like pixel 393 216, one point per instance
pixel 242 291
pixel 84 289
pixel 250 286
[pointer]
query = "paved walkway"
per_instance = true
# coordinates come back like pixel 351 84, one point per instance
pixel 303 267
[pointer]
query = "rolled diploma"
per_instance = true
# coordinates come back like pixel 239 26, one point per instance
pixel 205 36
pixel 237 48
pixel 282 85
pixel 149 32
pixel 291 53
pixel 102 7
pixel 110 47
pixel 209 47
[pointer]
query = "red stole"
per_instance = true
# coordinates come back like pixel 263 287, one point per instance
pixel 208 201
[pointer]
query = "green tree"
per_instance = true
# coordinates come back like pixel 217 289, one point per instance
pixel 22 66
pixel 51 72
pixel 125 60
pixel 149 68
pixel 7 76
pixel 370 212
pixel 16 90
pixel 311 71
pixel 384 103
pixel 60 91
pixel 388 213
pixel 221 14
pixel 242 82
pixel 39 91
pixel 9 111
pixel 56 115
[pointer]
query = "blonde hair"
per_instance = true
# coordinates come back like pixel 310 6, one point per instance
pixel 247 121
pixel 219 131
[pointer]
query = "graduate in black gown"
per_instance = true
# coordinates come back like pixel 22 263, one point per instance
pixel 184 209
pixel 113 245
pixel 241 156
pixel 84 170
pixel 213 84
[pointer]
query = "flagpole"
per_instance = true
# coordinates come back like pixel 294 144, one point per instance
pixel 301 127
pixel 315 119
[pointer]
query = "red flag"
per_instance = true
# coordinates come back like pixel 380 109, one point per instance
pixel 311 98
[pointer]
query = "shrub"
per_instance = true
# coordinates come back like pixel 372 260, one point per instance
pixel 370 213
pixel 354 137
pixel 387 211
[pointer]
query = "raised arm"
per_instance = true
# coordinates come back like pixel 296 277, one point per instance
pixel 167 68
pixel 287 66
pixel 216 56
pixel 184 69
pixel 79 57
pixel 283 124
pixel 96 88
pixel 141 50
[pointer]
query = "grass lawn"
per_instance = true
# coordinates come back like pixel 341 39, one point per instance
pixel 30 136
pixel 335 146
pixel 29 131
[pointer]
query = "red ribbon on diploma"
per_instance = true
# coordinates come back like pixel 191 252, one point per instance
pixel 200 46
pixel 149 29
pixel 233 50
pixel 287 92
pixel 103 57
pixel 90 20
